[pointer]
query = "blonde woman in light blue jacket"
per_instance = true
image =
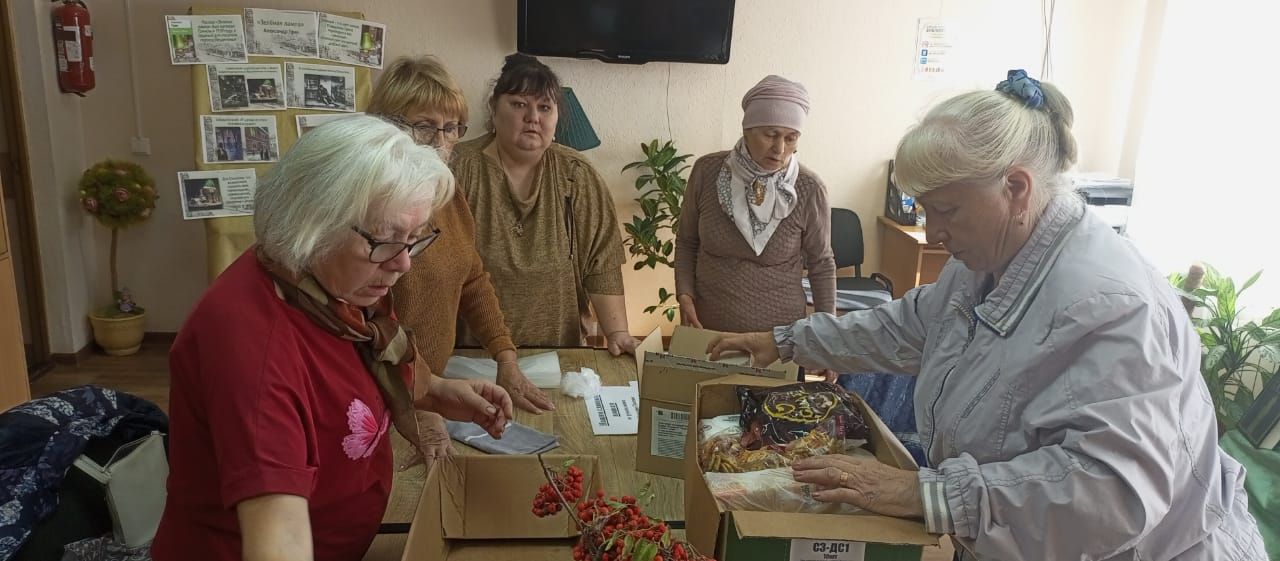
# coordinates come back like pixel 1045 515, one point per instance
pixel 1059 397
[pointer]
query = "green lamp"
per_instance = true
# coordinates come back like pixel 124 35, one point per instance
pixel 574 129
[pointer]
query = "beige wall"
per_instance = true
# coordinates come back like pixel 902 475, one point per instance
pixel 854 56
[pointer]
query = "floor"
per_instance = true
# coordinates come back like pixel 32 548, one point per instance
pixel 146 375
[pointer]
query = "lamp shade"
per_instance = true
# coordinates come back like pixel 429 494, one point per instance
pixel 574 129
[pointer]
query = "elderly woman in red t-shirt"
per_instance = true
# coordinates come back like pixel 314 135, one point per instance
pixel 290 369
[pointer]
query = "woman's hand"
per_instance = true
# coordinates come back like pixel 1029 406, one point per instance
pixel 433 440
pixel 483 403
pixel 828 376
pixel 759 345
pixel 523 393
pixel 621 342
pixel 864 483
pixel 688 313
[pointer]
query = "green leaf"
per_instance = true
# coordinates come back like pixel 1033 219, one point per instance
pixel 639 265
pixel 1249 283
pixel 650 309
pixel 670 313
pixel 633 165
pixel 645 551
pixel 663 294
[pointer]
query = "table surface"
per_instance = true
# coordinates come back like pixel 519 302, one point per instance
pixel 569 421
pixel 915 232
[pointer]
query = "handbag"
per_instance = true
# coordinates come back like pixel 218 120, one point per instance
pixel 134 481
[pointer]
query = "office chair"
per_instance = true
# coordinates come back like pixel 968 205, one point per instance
pixel 846 244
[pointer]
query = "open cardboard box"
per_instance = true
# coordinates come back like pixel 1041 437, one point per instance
pixel 667 385
pixel 479 508
pixel 779 536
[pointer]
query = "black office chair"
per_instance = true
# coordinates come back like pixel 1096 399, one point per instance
pixel 846 244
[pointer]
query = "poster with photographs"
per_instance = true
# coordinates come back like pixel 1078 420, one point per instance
pixel 206 39
pixel 352 41
pixel 245 87
pixel 239 138
pixel 320 86
pixel 212 194
pixel 280 32
pixel 308 122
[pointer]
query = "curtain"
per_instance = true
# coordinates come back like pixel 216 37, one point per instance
pixel 1205 177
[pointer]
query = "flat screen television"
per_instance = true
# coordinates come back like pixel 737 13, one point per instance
pixel 627 31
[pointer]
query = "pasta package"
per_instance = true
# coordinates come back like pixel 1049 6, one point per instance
pixel 787 417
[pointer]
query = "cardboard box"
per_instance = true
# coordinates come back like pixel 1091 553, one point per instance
pixel 779 536
pixel 479 508
pixel 668 382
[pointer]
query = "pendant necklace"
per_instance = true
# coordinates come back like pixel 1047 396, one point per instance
pixel 518 229
pixel 757 192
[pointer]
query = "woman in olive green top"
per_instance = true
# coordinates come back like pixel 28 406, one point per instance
pixel 545 223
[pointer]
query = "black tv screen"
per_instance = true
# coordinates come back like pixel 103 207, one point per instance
pixel 627 31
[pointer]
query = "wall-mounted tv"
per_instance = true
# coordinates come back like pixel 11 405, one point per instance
pixel 627 31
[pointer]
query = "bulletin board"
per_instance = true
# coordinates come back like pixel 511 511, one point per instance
pixel 226 238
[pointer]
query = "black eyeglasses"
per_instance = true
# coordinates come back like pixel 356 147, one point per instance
pixel 381 252
pixel 426 133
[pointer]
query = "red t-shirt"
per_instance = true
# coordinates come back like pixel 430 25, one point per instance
pixel 264 401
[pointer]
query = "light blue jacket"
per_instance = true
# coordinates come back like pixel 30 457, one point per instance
pixel 1062 409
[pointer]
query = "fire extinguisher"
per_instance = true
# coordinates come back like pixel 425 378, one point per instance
pixel 73 42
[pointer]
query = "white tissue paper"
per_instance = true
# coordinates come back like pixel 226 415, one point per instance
pixel 579 384
pixel 541 369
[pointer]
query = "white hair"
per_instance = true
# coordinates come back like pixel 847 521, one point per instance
pixel 978 136
pixel 356 171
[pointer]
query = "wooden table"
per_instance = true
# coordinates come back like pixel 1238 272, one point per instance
pixel 907 258
pixel 569 421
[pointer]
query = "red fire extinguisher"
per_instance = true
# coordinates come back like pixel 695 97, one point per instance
pixel 73 38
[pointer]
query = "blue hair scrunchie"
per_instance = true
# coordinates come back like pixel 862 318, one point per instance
pixel 1024 87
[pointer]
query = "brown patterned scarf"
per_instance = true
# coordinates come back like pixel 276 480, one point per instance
pixel 382 344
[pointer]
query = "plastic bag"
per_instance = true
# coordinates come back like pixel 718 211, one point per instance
pixel 786 418
pixel 578 384
pixel 770 490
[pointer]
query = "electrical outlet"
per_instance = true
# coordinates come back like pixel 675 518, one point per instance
pixel 141 146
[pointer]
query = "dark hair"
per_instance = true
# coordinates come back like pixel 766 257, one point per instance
pixel 524 75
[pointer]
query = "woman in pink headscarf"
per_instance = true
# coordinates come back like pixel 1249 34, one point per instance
pixel 753 221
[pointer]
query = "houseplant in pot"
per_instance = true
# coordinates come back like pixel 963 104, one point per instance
pixel 661 185
pixel 118 194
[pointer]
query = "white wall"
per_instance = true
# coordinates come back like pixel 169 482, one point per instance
pixel 854 56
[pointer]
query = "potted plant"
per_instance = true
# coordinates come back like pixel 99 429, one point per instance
pixel 118 194
pixel 661 185
pixel 1239 356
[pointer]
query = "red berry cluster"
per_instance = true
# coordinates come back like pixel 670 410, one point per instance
pixel 569 484
pixel 613 528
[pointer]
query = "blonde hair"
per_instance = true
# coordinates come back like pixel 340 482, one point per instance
pixel 415 83
pixel 353 171
pixel 978 136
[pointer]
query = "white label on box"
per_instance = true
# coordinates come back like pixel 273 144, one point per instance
pixel 827 550
pixel 669 429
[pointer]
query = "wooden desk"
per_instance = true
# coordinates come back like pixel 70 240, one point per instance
pixel 569 421
pixel 906 258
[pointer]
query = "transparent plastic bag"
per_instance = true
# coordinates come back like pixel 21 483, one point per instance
pixel 771 490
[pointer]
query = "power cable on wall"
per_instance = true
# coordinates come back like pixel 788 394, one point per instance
pixel 1047 9
pixel 670 136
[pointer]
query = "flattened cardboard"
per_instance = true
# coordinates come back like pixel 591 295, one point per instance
pixel 669 381
pixel 707 526
pixel 477 507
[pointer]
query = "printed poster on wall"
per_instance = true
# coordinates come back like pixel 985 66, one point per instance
pixel 287 33
pixel 352 41
pixel 213 194
pixel 320 86
pixel 245 87
pixel 308 122
pixel 934 41
pixel 239 139
pixel 206 39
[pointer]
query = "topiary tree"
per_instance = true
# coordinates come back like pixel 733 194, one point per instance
pixel 118 194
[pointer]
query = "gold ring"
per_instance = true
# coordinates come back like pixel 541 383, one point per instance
pixel 844 478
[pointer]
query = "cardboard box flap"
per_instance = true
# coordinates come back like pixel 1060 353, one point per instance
pixel 691 342
pixel 425 540
pixel 652 344
pixel 485 497
pixel 887 449
pixel 673 378
pixel 858 528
